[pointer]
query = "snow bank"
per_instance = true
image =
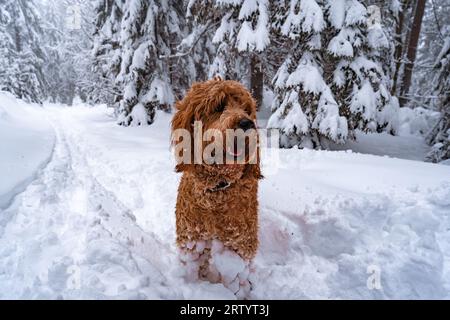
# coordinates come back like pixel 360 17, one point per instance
pixel 408 144
pixel 26 143
pixel 410 147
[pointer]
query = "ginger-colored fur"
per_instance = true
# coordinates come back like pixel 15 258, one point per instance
pixel 229 215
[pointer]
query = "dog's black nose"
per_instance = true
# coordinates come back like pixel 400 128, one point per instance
pixel 246 124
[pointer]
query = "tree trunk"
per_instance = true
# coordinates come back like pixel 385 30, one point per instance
pixel 412 50
pixel 399 44
pixel 256 80
pixel 17 39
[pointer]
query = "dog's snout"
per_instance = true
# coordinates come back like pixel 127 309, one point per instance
pixel 246 124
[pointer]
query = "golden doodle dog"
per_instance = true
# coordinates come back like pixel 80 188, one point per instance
pixel 217 204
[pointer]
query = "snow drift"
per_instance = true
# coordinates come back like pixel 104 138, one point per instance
pixel 26 143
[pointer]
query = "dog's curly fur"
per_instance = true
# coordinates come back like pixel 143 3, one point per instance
pixel 229 215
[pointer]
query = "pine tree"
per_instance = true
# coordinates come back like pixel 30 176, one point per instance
pixel 51 40
pixel 439 137
pixel 245 32
pixel 413 40
pixel 433 34
pixel 402 14
pixel 106 51
pixel 382 23
pixel 66 39
pixel 6 46
pixel 201 23
pixel 331 84
pixel 78 59
pixel 240 33
pixel 132 38
pixel 22 56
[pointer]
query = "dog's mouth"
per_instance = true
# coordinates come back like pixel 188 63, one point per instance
pixel 237 151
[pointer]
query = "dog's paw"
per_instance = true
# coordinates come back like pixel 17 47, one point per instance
pixel 232 270
pixel 194 257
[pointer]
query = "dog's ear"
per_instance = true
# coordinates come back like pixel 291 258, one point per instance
pixel 184 117
pixel 182 120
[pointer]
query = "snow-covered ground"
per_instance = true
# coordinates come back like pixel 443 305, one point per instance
pixel 98 221
pixel 26 144
pixel 410 147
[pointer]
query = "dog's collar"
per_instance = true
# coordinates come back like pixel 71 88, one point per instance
pixel 222 185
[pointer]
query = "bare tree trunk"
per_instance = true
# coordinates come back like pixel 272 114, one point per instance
pixel 412 50
pixel 399 44
pixel 256 80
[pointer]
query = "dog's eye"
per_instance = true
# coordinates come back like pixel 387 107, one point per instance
pixel 221 106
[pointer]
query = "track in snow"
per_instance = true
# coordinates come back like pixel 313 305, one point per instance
pixel 66 228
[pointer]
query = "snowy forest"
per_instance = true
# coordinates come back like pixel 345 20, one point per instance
pixel 358 90
pixel 329 68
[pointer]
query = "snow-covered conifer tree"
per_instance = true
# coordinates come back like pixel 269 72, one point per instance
pixel 439 137
pixel 106 50
pixel 132 39
pixel 331 83
pixel 433 35
pixel 240 32
pixel 67 41
pixel 22 57
pixel 196 46
pixel 242 38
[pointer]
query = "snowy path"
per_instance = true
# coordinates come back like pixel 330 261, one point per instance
pixel 70 237
pixel 98 222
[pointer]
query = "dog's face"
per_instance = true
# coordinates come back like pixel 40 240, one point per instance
pixel 218 105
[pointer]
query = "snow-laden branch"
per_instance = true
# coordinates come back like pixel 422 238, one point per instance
pixel 190 41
